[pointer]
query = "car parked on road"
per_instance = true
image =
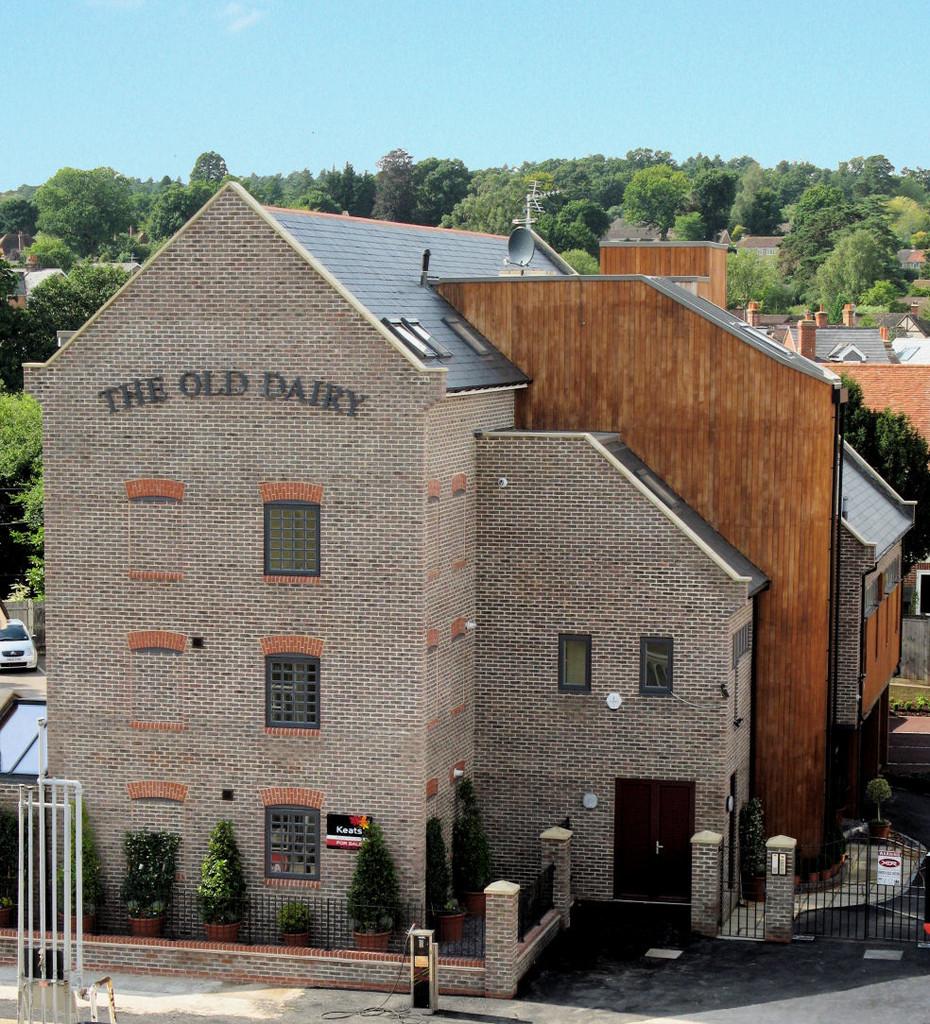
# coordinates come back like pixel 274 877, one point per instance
pixel 17 648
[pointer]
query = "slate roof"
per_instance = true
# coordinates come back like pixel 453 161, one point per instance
pixel 379 263
pixel 873 509
pixel 831 341
pixel 621 230
pixel 685 513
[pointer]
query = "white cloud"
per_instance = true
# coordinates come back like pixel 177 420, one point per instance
pixel 240 17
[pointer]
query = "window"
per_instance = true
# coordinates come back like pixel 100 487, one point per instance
pixel 292 539
pixel 19 738
pixel 292 842
pixel 574 663
pixel 293 691
pixel 741 642
pixel 468 334
pixel 655 664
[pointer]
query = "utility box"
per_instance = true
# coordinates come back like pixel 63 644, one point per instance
pixel 424 971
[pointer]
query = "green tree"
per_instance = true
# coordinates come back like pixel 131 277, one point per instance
pixel 763 212
pixel 222 890
pixel 712 194
pixel 577 225
pixel 20 489
pixel 51 252
pixel 749 275
pixel 471 854
pixel 655 196
pixel 581 260
pixel 394 198
pixel 907 217
pixel 882 293
pixel 817 218
pixel 856 263
pixel 437 866
pixel 318 199
pixel 18 214
pixel 84 208
pixel 494 199
pixel 16 335
pixel 374 895
pixel 893 447
pixel 689 227
pixel 209 167
pixel 866 176
pixel 438 185
pixel 349 190
pixel 174 207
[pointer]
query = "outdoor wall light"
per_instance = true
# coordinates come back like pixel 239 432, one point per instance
pixel 589 801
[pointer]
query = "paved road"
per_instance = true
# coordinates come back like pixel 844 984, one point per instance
pixel 909 740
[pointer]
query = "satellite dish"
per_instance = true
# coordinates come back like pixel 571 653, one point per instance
pixel 520 247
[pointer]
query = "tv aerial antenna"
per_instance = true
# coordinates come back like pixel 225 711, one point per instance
pixel 521 246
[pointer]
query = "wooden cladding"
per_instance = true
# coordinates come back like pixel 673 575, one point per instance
pixel 675 260
pixel 746 440
pixel 881 638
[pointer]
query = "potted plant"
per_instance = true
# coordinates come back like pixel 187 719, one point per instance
pixel 752 850
pixel 221 893
pixel 449 916
pixel 9 857
pixel 294 924
pixel 471 855
pixel 373 894
pixel 877 792
pixel 151 865
pixel 91 881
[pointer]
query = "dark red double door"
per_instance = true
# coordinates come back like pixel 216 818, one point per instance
pixel 653 825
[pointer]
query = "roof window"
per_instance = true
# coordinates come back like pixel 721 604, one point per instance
pixel 416 337
pixel 465 332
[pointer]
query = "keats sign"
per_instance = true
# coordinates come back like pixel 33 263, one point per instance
pixel 270 385
pixel 346 831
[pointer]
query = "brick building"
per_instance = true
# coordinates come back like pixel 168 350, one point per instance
pixel 276 517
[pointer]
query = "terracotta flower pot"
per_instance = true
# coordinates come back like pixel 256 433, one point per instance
pixel 88 923
pixel 474 903
pixel 372 942
pixel 451 926
pixel 6 917
pixel 295 938
pixel 146 927
pixel 222 932
pixel 879 831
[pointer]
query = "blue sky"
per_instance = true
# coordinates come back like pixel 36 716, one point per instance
pixel 278 85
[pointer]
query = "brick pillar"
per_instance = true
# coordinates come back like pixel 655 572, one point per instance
pixel 706 850
pixel 779 890
pixel 501 924
pixel 557 850
pixel 807 337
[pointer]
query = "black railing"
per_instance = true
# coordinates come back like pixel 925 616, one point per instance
pixel 535 901
pixel 330 924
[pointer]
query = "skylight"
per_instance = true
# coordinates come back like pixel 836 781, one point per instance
pixel 416 337
pixel 19 740
pixel 465 332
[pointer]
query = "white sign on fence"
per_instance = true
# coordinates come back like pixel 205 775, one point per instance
pixel 888 867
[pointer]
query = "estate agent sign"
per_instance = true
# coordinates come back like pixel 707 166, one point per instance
pixel 346 831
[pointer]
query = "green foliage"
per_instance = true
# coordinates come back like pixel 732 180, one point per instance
pixel 857 261
pixel 749 276
pixel 318 199
pixel 92 880
pixel 920 240
pixel 763 212
pixel 471 855
pixel 9 845
pixel 126 248
pixel 494 198
pixel 437 866
pixel 151 864
pixel 817 218
pixel 294 918
pixel 349 190
pixel 689 227
pixel 50 252
pixel 18 214
pixel 21 493
pixel 577 225
pixel 395 195
pixel 374 894
pixel 84 208
pixel 907 217
pixel 222 890
pixel 752 837
pixel 882 293
pixel 209 167
pixel 878 792
pixel 655 196
pixel 438 185
pixel 581 260
pixel 174 207
pixel 712 194
pixel 891 445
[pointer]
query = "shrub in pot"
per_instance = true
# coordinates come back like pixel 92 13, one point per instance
pixel 91 881
pixel 374 894
pixel 151 865
pixel 450 917
pixel 471 854
pixel 221 895
pixel 752 849
pixel 294 924
pixel 9 864
pixel 877 792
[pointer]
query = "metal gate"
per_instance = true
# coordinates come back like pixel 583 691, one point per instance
pixel 742 899
pixel 871 889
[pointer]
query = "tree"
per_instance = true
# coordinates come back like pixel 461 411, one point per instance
pixel 817 218
pixel 689 227
pixel 654 197
pixel 882 293
pixel 471 855
pixel 174 207
pixel 51 252
pixel 893 447
pixel 749 275
pixel 866 176
pixel 438 185
pixel 221 894
pixel 437 866
pixel 374 894
pixel 209 167
pixel 581 260
pixel 349 190
pixel 84 208
pixel 318 199
pixel 16 337
pixel 763 212
pixel 18 214
pixel 394 199
pixel 712 194
pixel 494 199
pixel 907 217
pixel 20 490
pixel 577 225
pixel 856 263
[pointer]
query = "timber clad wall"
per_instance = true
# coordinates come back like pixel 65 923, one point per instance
pixel 747 441
pixel 882 638
pixel 657 259
pixel 568 515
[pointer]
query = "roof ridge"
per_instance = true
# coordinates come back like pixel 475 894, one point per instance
pixel 376 220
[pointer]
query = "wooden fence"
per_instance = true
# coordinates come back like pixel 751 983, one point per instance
pixel 915 647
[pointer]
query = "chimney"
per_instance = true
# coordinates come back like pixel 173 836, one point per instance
pixel 821 318
pixel 32 261
pixel 883 332
pixel 849 315
pixel 915 309
pixel 752 314
pixel 807 337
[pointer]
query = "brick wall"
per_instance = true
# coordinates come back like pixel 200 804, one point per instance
pixel 856 559
pixel 570 546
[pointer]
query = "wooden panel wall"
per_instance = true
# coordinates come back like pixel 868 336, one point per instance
pixel 746 441
pixel 882 647
pixel 672 260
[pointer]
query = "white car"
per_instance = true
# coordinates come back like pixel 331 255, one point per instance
pixel 17 649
